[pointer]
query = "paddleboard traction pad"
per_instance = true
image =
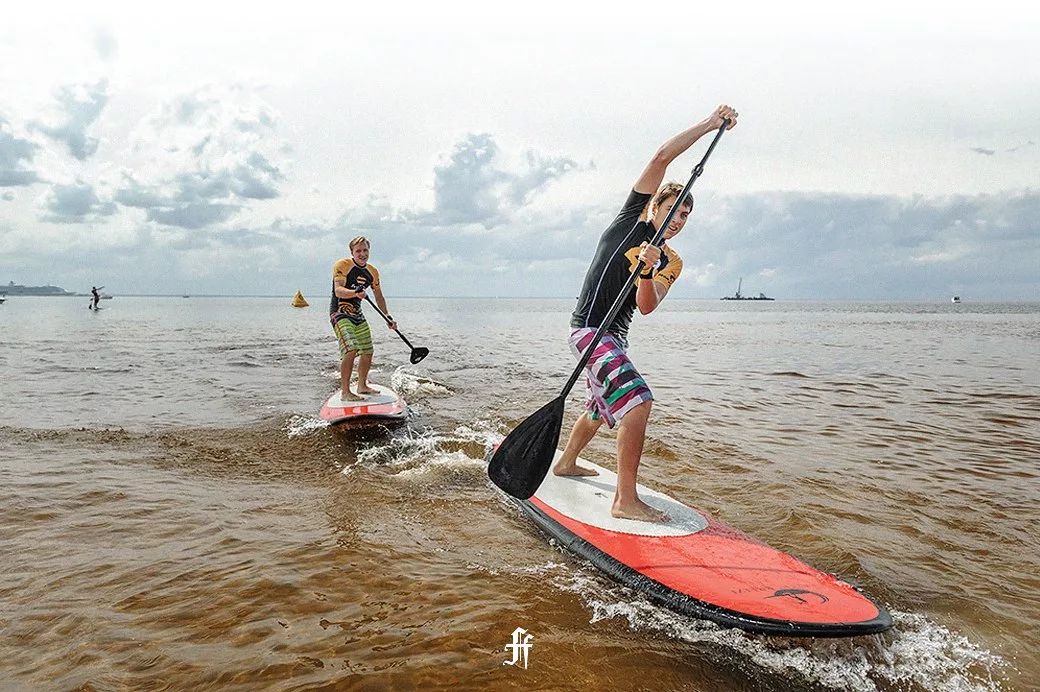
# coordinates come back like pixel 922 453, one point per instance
pixel 386 405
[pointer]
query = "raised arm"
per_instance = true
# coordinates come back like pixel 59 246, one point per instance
pixel 653 174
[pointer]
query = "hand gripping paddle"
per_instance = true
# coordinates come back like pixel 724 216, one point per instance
pixel 418 353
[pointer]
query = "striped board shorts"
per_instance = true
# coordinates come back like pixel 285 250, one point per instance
pixel 613 386
pixel 354 336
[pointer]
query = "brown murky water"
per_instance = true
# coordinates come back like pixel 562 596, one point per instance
pixel 173 515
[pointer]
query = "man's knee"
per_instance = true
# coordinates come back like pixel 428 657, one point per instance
pixel 639 414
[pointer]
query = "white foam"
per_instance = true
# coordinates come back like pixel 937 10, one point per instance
pixel 916 652
pixel 441 461
pixel 418 452
pixel 304 425
pixel 410 384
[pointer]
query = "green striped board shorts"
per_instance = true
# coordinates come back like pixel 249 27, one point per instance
pixel 353 334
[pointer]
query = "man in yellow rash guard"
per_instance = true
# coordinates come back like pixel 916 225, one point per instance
pixel 351 277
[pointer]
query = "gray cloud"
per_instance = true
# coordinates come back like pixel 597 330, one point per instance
pixel 804 245
pixel 469 188
pixel 192 214
pixel 15 154
pixel 105 43
pixel 211 155
pixel 990 152
pixel 75 203
pixel 79 105
pixel 790 245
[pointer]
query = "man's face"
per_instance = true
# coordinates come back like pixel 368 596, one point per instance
pixel 360 253
pixel 678 221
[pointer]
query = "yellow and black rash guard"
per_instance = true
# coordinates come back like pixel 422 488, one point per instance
pixel 615 259
pixel 667 269
pixel 355 278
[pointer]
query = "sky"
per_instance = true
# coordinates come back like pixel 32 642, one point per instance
pixel 883 152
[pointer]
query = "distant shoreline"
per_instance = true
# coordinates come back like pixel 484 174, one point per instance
pixel 779 301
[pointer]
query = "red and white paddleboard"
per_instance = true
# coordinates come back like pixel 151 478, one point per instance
pixel 697 566
pixel 386 405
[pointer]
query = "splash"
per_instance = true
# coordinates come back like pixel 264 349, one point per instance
pixel 298 426
pixel 410 384
pixel 420 452
pixel 916 653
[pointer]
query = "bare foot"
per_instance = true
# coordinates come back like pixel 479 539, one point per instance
pixel 366 390
pixel 350 396
pixel 639 511
pixel 563 469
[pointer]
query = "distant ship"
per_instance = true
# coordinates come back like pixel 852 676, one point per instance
pixel 955 299
pixel 738 296
pixel 18 290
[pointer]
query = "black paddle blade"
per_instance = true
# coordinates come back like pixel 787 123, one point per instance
pixel 418 353
pixel 520 463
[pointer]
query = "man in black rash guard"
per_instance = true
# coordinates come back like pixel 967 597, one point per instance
pixel 616 392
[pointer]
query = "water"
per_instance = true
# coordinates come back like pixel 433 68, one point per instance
pixel 173 513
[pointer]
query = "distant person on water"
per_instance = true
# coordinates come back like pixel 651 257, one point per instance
pixel 616 392
pixel 351 278
pixel 97 297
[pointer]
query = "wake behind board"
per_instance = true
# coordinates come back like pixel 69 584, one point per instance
pixel 698 566
pixel 385 406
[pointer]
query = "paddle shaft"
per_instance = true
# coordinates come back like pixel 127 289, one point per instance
pixel 388 320
pixel 630 286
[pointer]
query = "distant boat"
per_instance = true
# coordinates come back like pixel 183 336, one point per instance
pixel 106 296
pixel 738 296
pixel 185 296
pixel 955 299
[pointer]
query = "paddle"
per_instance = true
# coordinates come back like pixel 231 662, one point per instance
pixel 417 353
pixel 520 463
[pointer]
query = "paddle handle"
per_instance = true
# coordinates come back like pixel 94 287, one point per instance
pixel 629 286
pixel 388 320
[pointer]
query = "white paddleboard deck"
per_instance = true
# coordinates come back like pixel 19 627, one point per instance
pixel 385 404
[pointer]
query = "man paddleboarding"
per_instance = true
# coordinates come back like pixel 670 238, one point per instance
pixel 351 277
pixel 97 297
pixel 615 391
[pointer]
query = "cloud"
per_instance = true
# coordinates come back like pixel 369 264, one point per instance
pixel 867 247
pixel 75 203
pixel 15 154
pixel 209 152
pixel 79 105
pixel 990 152
pixel 472 187
pixel 494 232
pixel 105 43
